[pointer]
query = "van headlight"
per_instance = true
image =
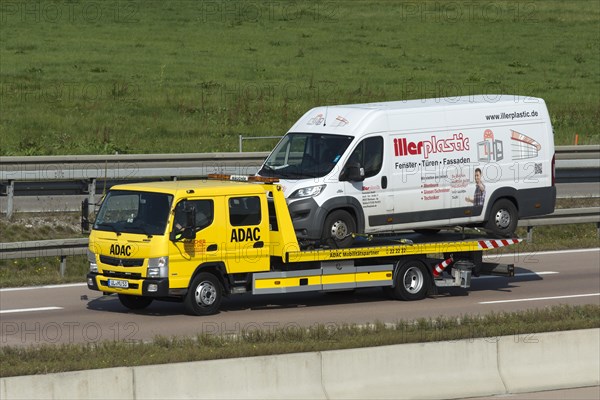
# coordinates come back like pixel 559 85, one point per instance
pixel 310 191
pixel 92 260
pixel 158 267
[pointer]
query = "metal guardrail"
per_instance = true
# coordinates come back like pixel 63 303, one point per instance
pixel 45 248
pixel 70 247
pixel 47 175
pixel 563 216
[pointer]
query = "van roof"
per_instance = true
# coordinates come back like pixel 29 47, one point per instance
pixel 353 119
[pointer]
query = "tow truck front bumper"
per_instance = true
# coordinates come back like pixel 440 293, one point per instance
pixel 150 287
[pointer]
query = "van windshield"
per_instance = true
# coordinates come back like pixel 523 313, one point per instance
pixel 305 155
pixel 125 211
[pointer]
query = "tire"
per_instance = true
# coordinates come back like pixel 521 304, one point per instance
pixel 204 295
pixel 135 302
pixel 412 281
pixel 503 218
pixel 338 228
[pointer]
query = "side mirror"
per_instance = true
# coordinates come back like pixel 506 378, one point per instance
pixel 186 233
pixel 353 172
pixel 189 230
pixel 85 216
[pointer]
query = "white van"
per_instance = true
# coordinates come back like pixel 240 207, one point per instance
pixel 482 160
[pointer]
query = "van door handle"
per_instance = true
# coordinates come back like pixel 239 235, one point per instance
pixel 384 182
pixel 212 247
pixel 259 244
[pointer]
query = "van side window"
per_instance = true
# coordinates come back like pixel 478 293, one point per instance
pixel 244 211
pixel 204 213
pixel 369 153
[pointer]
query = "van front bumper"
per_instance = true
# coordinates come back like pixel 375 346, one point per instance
pixel 158 287
pixel 307 218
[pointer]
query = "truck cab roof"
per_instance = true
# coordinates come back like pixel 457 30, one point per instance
pixel 200 187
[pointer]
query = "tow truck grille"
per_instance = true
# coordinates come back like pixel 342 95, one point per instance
pixel 124 262
pixel 124 275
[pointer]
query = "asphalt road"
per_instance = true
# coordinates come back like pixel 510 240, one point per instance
pixel 74 314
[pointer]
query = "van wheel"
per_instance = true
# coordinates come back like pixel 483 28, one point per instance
pixel 503 218
pixel 204 295
pixel 412 281
pixel 338 229
pixel 135 302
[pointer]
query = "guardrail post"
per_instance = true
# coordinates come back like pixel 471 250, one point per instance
pixel 241 139
pixel 91 191
pixel 529 234
pixel 63 266
pixel 10 199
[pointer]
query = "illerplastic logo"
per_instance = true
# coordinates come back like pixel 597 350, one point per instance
pixel 403 147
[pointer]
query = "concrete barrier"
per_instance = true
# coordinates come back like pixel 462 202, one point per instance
pixel 451 369
pixel 413 371
pixel 553 360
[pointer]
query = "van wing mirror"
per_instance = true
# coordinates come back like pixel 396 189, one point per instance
pixel 353 172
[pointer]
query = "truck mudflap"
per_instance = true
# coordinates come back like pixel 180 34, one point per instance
pixel 338 275
pixel 138 287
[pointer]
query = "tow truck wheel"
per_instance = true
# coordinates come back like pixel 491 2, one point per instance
pixel 412 281
pixel 503 218
pixel 135 302
pixel 205 294
pixel 338 229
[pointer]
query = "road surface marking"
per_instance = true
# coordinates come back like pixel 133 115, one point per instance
pixel 66 285
pixel 540 298
pixel 543 253
pixel 19 310
pixel 518 275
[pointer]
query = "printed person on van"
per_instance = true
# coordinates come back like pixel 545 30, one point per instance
pixel 479 195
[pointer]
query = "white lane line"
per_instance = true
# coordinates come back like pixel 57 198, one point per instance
pixel 540 298
pixel 543 253
pixel 66 285
pixel 20 310
pixel 518 275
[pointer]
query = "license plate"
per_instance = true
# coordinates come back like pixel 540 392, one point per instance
pixel 118 283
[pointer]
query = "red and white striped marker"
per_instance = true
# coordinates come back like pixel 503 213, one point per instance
pixel 438 269
pixel 495 243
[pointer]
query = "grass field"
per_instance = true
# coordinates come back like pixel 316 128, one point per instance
pixel 94 77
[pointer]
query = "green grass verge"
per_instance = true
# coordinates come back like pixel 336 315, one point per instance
pixel 151 76
pixel 48 359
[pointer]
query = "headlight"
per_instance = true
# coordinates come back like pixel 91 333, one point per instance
pixel 310 191
pixel 92 260
pixel 158 267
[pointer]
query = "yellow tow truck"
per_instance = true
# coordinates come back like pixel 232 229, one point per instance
pixel 199 240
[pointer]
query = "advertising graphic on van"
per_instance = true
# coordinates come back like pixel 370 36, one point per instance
pixel 523 146
pixel 402 147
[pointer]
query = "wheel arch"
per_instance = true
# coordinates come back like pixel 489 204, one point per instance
pixel 216 268
pixel 508 193
pixel 346 203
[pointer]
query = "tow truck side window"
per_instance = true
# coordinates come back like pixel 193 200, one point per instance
pixel 204 213
pixel 244 211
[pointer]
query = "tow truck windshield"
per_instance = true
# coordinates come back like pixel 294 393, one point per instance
pixel 125 211
pixel 305 155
